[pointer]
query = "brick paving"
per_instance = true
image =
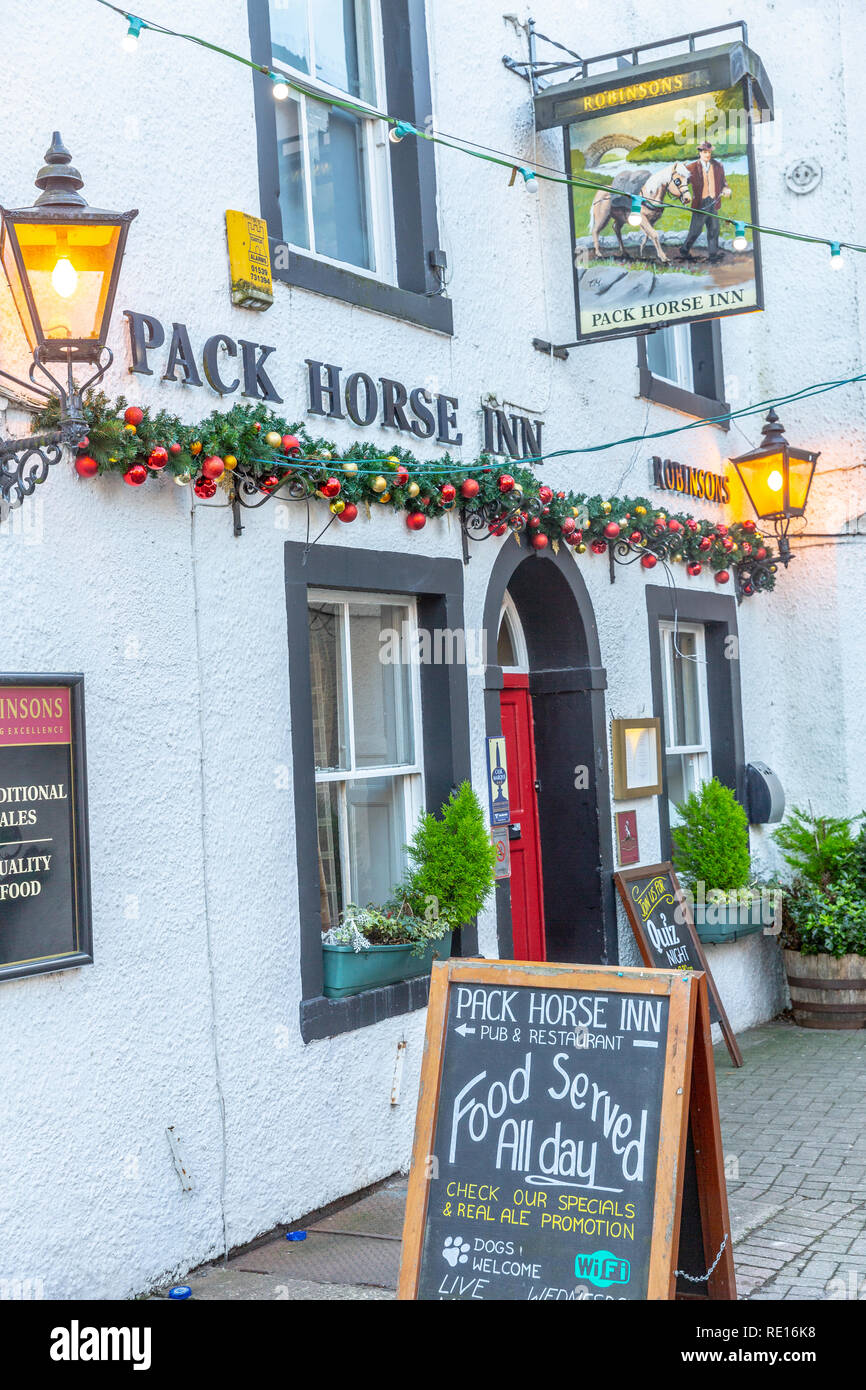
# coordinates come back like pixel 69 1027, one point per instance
pixel 794 1136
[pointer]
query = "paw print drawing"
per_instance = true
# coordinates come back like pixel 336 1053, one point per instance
pixel 455 1251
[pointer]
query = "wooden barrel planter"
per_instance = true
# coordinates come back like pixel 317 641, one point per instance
pixel 827 991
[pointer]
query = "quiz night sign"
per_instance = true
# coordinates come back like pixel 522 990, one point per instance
pixel 638 141
pixel 44 874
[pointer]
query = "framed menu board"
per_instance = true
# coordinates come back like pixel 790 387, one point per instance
pixel 551 1137
pixel 45 921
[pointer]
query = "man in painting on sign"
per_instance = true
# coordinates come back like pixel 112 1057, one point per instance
pixel 709 187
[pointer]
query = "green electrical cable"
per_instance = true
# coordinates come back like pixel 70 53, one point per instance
pixel 485 152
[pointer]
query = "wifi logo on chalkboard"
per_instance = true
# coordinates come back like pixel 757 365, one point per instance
pixel 602 1269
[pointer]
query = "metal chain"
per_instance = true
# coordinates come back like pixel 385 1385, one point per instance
pixel 702 1278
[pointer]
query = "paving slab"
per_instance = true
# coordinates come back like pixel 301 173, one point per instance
pixel 326 1258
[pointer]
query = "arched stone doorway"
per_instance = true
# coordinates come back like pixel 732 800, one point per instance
pixel 566 689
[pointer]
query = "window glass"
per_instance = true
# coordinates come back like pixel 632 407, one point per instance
pixel 686 722
pixel 381 686
pixel 338 177
pixel 328 685
pixel 330 854
pixel 377 834
pixel 293 189
pixel 669 355
pixel 344 47
pixel 504 646
pixel 290 39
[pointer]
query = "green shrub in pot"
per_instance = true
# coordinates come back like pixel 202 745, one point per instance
pixel 451 862
pixel 711 856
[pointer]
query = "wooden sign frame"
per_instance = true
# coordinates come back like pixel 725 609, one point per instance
pixel 684 990
pixel 622 878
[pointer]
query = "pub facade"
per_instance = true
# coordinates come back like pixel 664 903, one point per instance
pixel 193 684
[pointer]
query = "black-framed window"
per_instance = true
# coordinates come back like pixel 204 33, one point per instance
pixel 712 619
pixel 350 214
pixel 434 590
pixel 681 366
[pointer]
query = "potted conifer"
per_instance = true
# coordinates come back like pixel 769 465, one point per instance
pixel 824 919
pixel 711 855
pixel 448 878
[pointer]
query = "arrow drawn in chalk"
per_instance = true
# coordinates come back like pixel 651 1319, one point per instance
pixel 464 1029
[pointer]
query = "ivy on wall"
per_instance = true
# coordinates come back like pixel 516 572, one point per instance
pixel 253 447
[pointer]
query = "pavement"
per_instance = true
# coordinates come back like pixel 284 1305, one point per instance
pixel 794 1136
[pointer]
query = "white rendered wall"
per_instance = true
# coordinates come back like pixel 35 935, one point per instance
pixel 180 629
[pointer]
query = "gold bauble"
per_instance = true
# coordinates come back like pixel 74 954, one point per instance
pixel 392 460
pixel 413 489
pixel 379 484
pixel 230 462
pixel 581 549
pixel 678 555
pixel 385 497
pixel 605 507
pixel 338 506
pixel 350 468
pixel 273 439
pixel 195 447
pixel 130 429
pixel 640 511
pixel 325 454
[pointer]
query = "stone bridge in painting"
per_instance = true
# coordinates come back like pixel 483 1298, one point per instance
pixel 607 143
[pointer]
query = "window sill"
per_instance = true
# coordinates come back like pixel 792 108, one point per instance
pixel 337 282
pixel 660 392
pixel 326 1018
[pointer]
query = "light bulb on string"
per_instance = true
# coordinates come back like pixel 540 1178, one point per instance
pixel 130 38
pixel 837 260
pixel 740 243
pixel 636 213
pixel 281 87
pixel 397 131
pixel 530 182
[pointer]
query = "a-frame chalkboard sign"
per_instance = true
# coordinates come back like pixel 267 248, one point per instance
pixel 659 915
pixel 552 1138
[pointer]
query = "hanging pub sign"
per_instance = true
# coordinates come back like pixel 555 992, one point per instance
pixel 662 236
pixel 44 863
pixel 567 1144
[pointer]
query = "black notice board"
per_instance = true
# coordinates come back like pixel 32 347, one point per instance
pixel 44 860
pixel 551 1134
pixel 659 916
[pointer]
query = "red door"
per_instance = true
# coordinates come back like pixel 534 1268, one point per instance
pixel 527 902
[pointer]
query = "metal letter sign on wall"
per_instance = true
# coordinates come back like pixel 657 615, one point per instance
pixel 636 131
pixel 44 864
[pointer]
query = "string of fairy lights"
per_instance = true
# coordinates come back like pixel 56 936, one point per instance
pixel 529 170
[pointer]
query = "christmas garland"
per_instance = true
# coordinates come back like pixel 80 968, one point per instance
pixel 252 447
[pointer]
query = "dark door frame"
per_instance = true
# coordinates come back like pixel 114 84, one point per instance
pixel 567 683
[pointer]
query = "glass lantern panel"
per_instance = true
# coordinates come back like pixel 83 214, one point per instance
pixel 69 270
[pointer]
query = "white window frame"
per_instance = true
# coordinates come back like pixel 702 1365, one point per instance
pixel 377 165
pixel 699 753
pixel 509 615
pixel 682 345
pixel 412 774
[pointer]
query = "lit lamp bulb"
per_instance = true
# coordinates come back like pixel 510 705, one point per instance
pixel 281 88
pixel 130 38
pixel 64 278
pixel 740 243
pixel 775 481
pixel 635 214
pixel 837 260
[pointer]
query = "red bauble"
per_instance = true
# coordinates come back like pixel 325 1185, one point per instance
pixel 747 589
pixel 83 444
pixel 611 530
pixel 133 415
pixel 447 492
pixel 749 525
pixel 635 538
pixel 213 467
pixel 573 538
pixel 722 577
pixel 535 522
pixel 291 444
pixel 136 475
pixel 674 525
pixel 349 512
pixel 269 483
pixel 174 448
pixel 704 543
pixel 649 561
pixel 497 528
pixel 506 482
pixel 727 543
pixel 469 488
pixel 545 493
pixel 257 427
pixel 204 487
pixel 86 467
pixel 539 541
pixel 721 529
pixel 416 521
pixel 692 524
pixel 694 568
pixel 598 547
pixel 402 475
pixel 761 552
pixel 157 458
pixel 568 525
pixel 332 487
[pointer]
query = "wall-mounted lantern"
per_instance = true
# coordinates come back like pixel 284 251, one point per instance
pixel 777 480
pixel 62 261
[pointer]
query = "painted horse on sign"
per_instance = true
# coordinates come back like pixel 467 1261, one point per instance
pixel 615 202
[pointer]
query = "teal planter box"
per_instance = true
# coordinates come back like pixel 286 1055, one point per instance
pixel 728 923
pixel 350 972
